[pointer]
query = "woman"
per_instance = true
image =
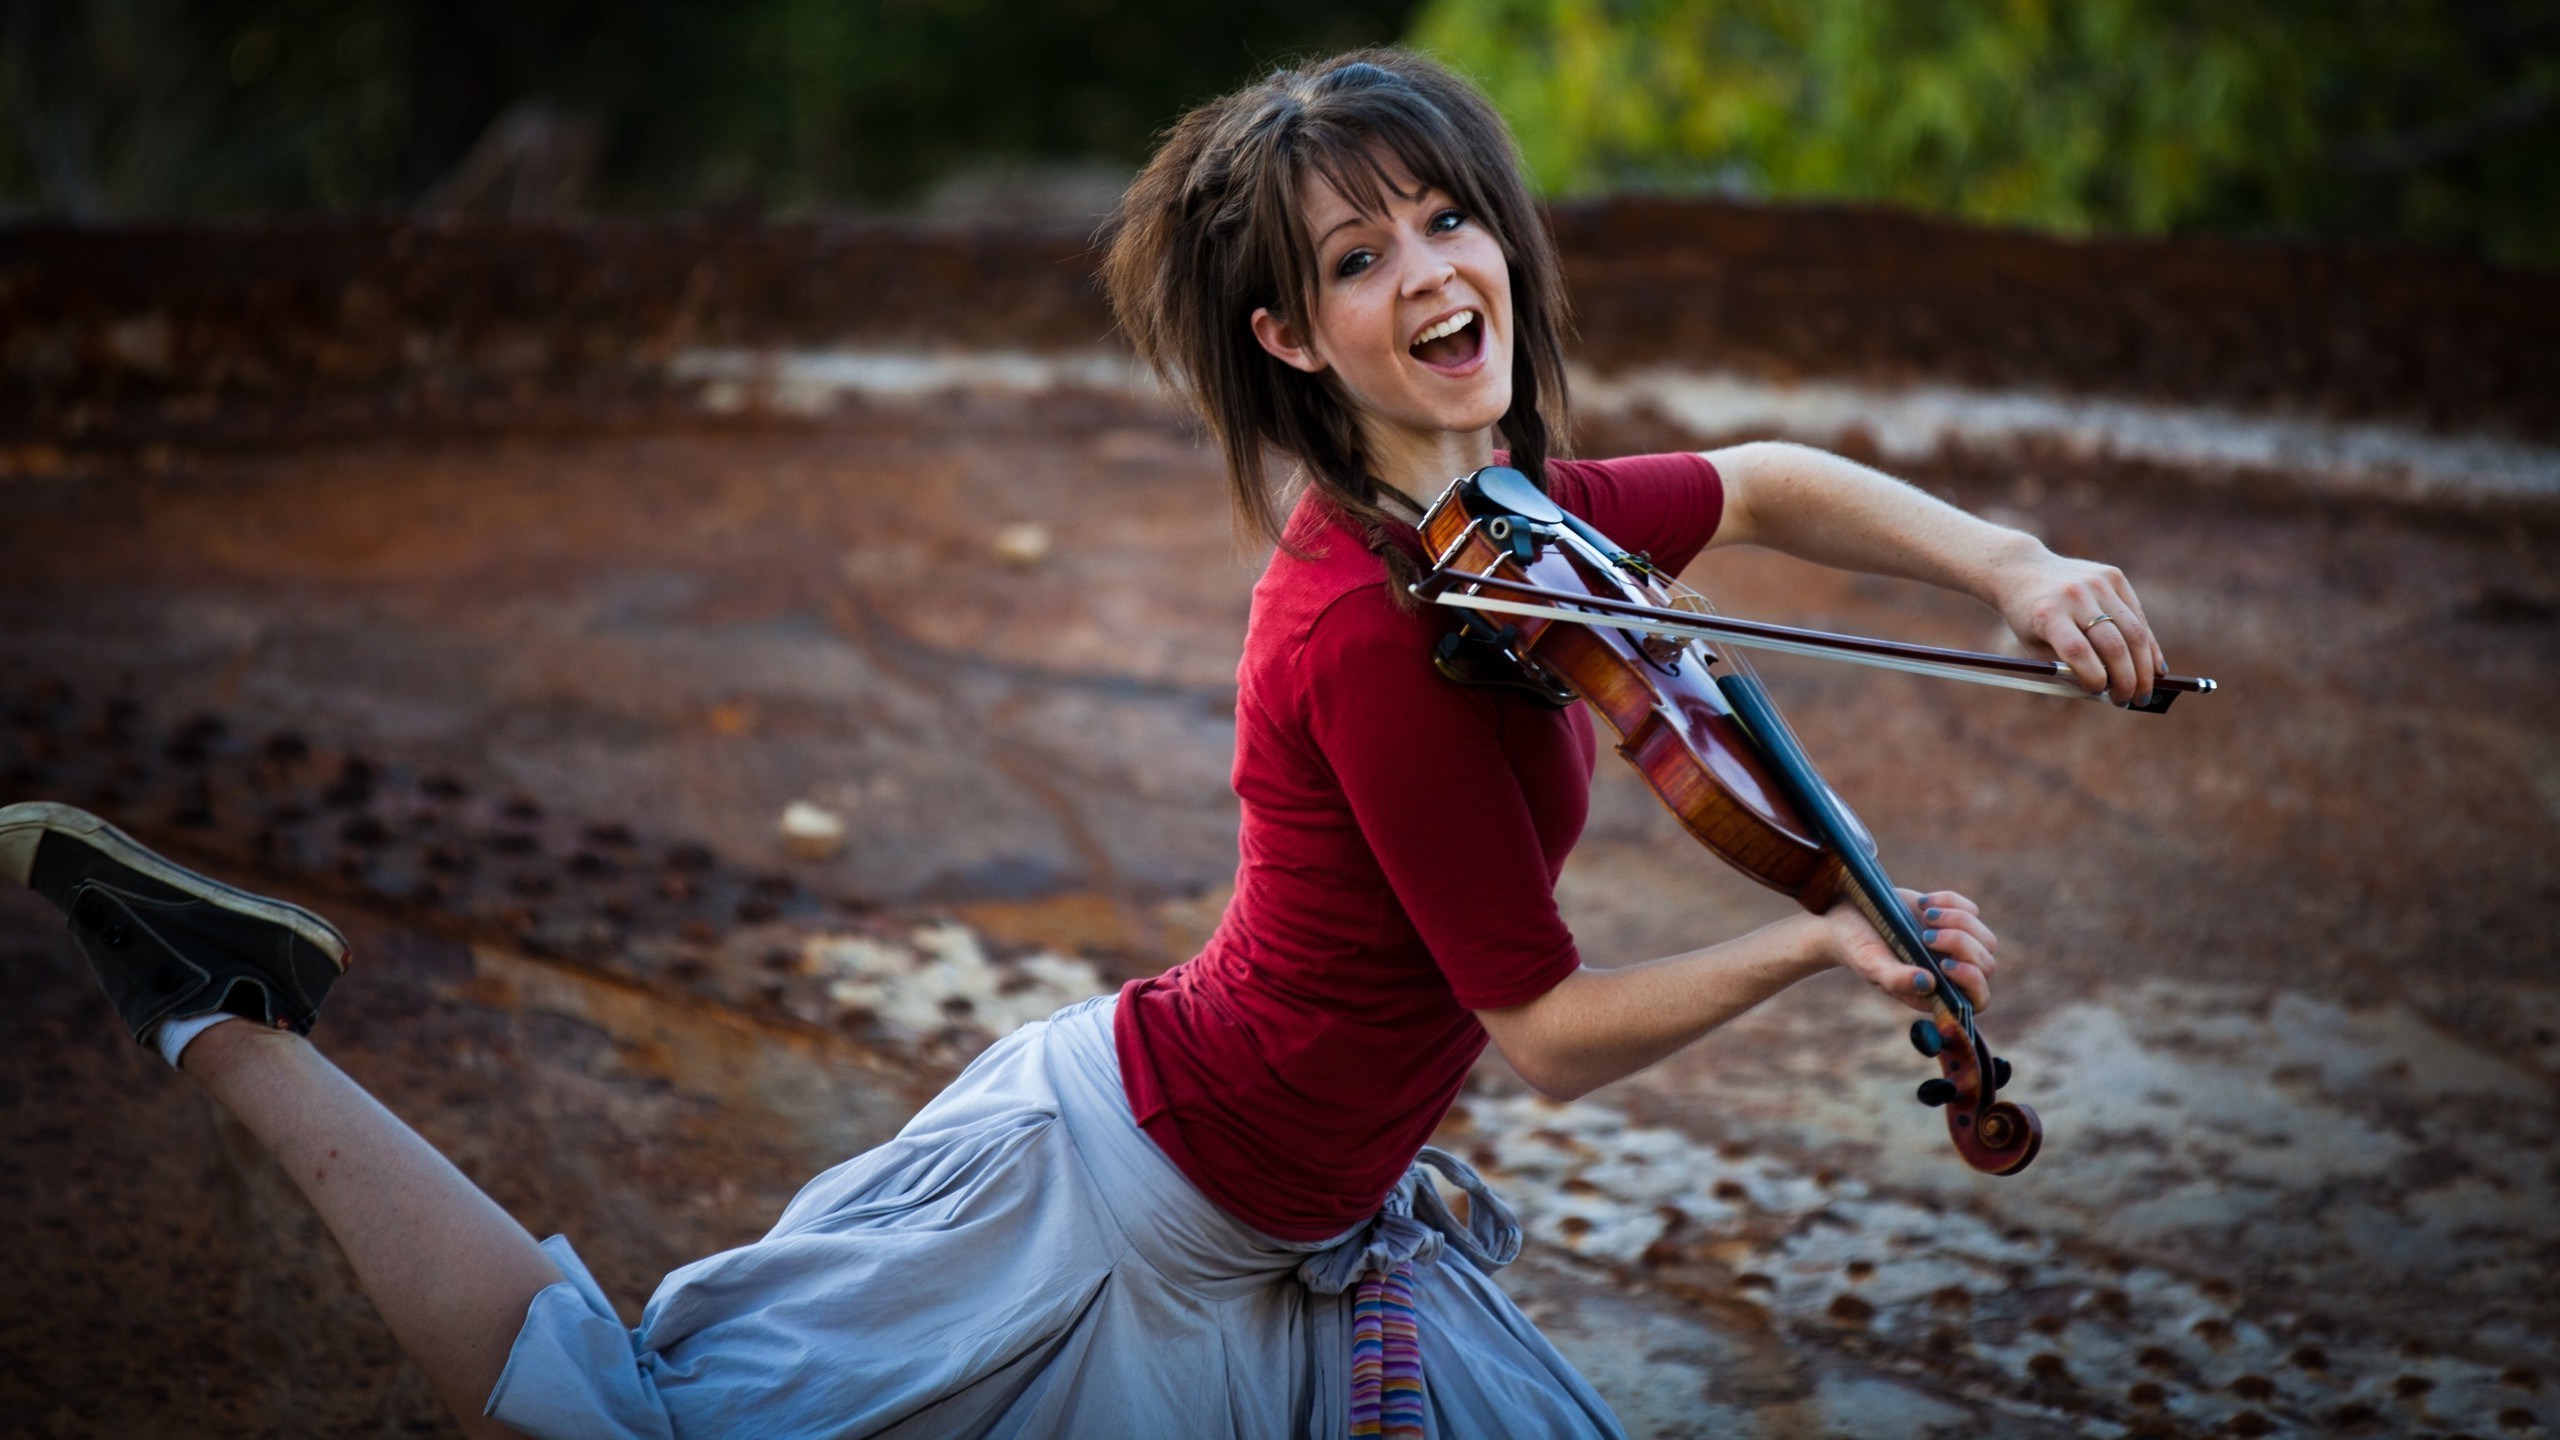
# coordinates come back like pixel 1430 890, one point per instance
pixel 1169 1211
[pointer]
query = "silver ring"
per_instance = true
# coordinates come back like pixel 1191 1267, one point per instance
pixel 2101 620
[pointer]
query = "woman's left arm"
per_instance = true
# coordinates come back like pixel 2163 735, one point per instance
pixel 1819 507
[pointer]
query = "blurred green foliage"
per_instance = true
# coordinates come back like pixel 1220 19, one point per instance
pixel 123 108
pixel 2426 121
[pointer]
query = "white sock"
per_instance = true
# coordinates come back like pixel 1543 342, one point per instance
pixel 173 1034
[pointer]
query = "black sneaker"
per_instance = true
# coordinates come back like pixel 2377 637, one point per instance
pixel 162 939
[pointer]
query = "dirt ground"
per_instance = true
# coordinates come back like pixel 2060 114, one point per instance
pixel 521 711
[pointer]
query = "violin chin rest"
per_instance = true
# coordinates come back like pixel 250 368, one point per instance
pixel 1465 660
pixel 1501 490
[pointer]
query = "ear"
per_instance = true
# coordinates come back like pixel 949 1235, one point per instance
pixel 1285 343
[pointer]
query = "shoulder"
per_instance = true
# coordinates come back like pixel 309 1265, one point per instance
pixel 1671 469
pixel 1365 689
pixel 1320 563
pixel 1362 625
pixel 1322 622
pixel 1667 504
pixel 1315 564
pixel 1328 633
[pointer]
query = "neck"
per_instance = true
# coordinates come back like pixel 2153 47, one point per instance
pixel 1418 463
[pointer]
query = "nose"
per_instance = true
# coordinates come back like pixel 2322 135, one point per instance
pixel 1427 274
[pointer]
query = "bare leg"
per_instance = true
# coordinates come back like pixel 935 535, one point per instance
pixel 449 1270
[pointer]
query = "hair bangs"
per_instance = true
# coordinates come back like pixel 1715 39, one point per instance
pixel 1353 141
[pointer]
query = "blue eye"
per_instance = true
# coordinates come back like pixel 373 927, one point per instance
pixel 1447 220
pixel 1355 262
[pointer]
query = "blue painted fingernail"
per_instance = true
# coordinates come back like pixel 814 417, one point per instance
pixel 1921 982
pixel 1928 937
pixel 1928 914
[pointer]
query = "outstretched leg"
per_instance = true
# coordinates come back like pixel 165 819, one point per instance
pixel 451 1272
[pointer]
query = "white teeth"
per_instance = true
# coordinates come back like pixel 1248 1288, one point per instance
pixel 1450 326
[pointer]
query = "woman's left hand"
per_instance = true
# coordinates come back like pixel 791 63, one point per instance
pixel 1951 926
pixel 2087 615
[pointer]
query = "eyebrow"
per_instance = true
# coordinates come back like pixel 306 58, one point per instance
pixel 1353 218
pixel 1356 216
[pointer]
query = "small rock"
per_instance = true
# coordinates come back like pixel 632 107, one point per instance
pixel 810 832
pixel 1021 546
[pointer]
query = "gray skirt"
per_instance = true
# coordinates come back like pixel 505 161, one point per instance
pixel 1023 1261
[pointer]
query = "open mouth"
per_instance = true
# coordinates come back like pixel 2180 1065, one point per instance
pixel 1452 344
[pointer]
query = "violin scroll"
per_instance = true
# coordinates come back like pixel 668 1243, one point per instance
pixel 1994 1136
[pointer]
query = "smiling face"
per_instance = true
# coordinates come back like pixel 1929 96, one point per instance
pixel 1354 270
pixel 1411 316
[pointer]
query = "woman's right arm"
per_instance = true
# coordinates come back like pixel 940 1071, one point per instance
pixel 1596 1026
pixel 1833 511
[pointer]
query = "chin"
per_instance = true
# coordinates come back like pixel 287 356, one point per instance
pixel 1482 413
pixel 1482 399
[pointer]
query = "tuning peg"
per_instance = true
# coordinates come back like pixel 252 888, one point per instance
pixel 1926 1039
pixel 1999 1074
pixel 1934 1093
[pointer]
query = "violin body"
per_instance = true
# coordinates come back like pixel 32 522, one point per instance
pixel 1712 748
pixel 1673 723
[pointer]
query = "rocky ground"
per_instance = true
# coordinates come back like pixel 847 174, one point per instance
pixel 522 711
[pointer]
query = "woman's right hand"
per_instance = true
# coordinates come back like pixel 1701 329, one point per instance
pixel 2087 615
pixel 1951 925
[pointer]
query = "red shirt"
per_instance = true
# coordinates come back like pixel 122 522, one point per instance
pixel 1400 844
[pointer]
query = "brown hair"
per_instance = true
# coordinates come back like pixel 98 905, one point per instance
pixel 1210 231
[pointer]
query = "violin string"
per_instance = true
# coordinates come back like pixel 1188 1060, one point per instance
pixel 1646 587
pixel 1644 584
pixel 1676 594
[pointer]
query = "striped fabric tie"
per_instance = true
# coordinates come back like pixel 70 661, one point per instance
pixel 1386 1357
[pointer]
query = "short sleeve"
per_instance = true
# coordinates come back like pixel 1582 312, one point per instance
pixel 1667 505
pixel 1431 785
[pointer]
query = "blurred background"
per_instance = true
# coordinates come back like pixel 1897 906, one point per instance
pixel 2430 122
pixel 638 512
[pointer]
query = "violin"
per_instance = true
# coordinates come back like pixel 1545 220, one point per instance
pixel 1558 610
